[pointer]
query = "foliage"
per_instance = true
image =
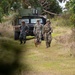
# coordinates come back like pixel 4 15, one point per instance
pixel 9 56
pixel 16 5
pixel 5 6
pixel 54 6
pixel 71 8
pixel 67 5
pixel 1 14
pixel 34 3
pixel 70 5
pixel 61 0
pixel 62 20
pixel 72 19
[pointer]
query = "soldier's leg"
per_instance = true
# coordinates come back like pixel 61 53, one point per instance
pixel 46 38
pixel 20 38
pixel 47 45
pixel 49 40
pixel 36 40
pixel 24 38
pixel 39 37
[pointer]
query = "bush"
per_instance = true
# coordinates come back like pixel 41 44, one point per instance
pixel 10 52
pixel 1 14
pixel 5 6
pixel 72 20
pixel 61 20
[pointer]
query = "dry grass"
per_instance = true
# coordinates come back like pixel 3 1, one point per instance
pixel 64 34
pixel 72 42
pixel 6 28
pixel 10 52
pixel 56 60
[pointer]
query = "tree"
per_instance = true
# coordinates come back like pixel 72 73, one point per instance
pixel 16 6
pixel 61 0
pixel 5 6
pixel 71 9
pixel 54 6
pixel 48 5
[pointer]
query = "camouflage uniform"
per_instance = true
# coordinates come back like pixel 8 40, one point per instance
pixel 38 31
pixel 47 30
pixel 23 31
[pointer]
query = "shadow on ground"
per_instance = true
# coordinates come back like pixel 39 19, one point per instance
pixel 10 57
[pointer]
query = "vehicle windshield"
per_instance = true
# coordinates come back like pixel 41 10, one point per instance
pixel 26 20
pixel 31 20
pixel 35 20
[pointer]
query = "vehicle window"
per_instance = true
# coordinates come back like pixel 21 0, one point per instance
pixel 26 20
pixel 35 20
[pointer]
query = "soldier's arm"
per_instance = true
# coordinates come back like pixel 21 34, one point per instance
pixel 27 28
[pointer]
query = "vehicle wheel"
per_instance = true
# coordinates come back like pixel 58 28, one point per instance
pixel 16 35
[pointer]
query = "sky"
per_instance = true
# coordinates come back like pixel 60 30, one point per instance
pixel 63 4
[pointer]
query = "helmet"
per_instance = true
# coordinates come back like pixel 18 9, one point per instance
pixel 23 21
pixel 47 20
pixel 38 20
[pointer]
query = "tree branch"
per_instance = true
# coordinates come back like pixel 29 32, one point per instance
pixel 49 12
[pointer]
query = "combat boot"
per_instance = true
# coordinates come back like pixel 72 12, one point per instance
pixel 24 42
pixel 20 42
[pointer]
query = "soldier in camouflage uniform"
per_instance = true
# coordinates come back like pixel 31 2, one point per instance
pixel 38 31
pixel 23 30
pixel 47 30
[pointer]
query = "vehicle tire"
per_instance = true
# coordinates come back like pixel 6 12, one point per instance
pixel 16 35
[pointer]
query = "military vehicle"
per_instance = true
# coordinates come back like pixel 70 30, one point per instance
pixel 30 16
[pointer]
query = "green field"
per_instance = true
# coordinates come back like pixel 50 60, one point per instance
pixel 56 60
pixel 26 59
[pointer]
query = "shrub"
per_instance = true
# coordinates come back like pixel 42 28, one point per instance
pixel 1 14
pixel 10 52
pixel 72 20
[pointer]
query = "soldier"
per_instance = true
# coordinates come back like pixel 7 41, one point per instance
pixel 47 30
pixel 38 32
pixel 23 30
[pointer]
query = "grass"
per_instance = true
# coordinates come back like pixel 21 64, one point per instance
pixel 10 52
pixel 9 17
pixel 56 60
pixel 29 37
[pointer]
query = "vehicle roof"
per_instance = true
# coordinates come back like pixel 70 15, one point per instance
pixel 32 17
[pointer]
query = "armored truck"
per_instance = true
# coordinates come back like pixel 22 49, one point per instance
pixel 30 16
